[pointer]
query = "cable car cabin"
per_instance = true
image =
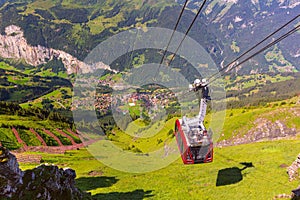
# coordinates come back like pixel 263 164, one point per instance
pixel 194 144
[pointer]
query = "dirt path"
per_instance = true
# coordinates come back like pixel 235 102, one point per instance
pixel 20 141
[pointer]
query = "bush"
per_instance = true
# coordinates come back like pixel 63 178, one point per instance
pixel 171 132
pixel 137 150
pixel 159 141
pixel 283 103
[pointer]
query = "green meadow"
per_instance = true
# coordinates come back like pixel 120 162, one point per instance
pixel 252 171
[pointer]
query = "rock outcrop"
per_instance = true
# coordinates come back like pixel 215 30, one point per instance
pixel 10 174
pixel 13 45
pixel 293 169
pixel 49 182
pixel 264 129
pixel 46 182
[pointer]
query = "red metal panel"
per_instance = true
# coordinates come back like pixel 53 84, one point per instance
pixel 186 153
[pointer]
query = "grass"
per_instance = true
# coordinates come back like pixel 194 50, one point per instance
pixel 48 139
pixel 29 138
pixel 23 124
pixel 203 181
pixel 101 23
pixel 64 140
pixel 8 139
pixel 76 139
pixel 277 55
pixel 39 4
pixel 29 122
pixel 48 73
pixel 19 80
pixel 240 121
pixel 6 66
pixel 225 178
pixel 147 140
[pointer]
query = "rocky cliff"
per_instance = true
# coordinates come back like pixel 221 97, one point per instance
pixel 10 174
pixel 13 45
pixel 44 182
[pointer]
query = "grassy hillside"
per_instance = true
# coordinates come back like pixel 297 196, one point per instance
pixel 225 178
pixel 240 121
pixel 8 139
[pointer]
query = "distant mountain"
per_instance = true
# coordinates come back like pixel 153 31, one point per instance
pixel 77 27
pixel 239 25
pixel 226 28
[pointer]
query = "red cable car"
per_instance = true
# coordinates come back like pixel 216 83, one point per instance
pixel 194 143
pixel 195 146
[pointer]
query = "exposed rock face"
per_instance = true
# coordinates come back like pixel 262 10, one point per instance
pixel 13 45
pixel 45 182
pixel 293 174
pixel 10 174
pixel 288 3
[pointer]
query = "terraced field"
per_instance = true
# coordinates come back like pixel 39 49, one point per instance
pixel 35 139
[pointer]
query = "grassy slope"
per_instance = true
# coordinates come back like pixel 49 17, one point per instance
pixel 146 143
pixel 8 139
pixel 265 180
pixel 240 121
pixel 29 122
pixel 177 181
